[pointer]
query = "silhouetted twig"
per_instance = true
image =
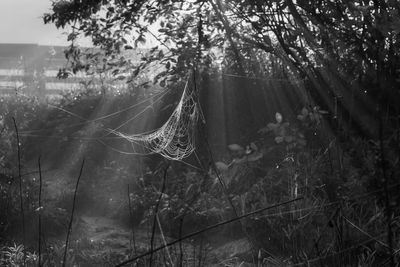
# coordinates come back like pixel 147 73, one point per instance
pixel 336 254
pixel 72 216
pixel 200 252
pixel 164 240
pixel 194 254
pixel 206 229
pixel 223 185
pixel 40 214
pixel 155 214
pixel 334 214
pixel 180 243
pixel 367 234
pixel 388 260
pixel 20 191
pixel 386 189
pixel 226 193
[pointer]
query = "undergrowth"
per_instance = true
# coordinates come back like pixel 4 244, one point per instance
pixel 338 222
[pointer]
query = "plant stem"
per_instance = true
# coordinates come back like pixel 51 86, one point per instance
pixel 164 240
pixel 180 243
pixel 206 229
pixel 153 231
pixel 40 213
pixel 20 191
pixel 386 189
pixel 72 216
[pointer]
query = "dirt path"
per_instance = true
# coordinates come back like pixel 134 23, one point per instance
pixel 107 232
pixel 102 241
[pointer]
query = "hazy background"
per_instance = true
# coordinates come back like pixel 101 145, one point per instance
pixel 21 22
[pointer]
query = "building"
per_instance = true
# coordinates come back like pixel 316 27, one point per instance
pixel 31 69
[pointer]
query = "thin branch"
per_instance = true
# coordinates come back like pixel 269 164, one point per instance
pixel 155 215
pixel 207 229
pixel 40 214
pixel 217 7
pixel 365 233
pixel 333 255
pixel 213 166
pixel 20 191
pixel 388 260
pixel 72 216
pixel 180 243
pixel 383 166
pixel 223 185
pixel 164 240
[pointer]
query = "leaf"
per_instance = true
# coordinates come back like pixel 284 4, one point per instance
pixel 248 150
pixel 255 156
pixel 289 139
pixel 72 36
pixel 221 166
pixel 279 139
pixel 191 191
pixel 301 117
pixel 173 78
pixel 253 146
pixel 272 126
pixel 302 142
pixel 115 72
pixel 39 209
pixel 263 130
pixel 278 117
pixel 136 72
pixel 235 148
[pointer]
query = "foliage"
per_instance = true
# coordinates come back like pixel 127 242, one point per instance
pixel 14 256
pixel 339 183
pixel 24 111
pixel 333 153
pixel 343 37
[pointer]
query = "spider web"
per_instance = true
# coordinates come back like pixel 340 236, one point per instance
pixel 175 140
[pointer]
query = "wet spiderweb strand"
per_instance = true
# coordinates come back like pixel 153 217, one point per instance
pixel 175 140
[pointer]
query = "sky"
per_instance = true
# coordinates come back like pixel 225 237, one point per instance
pixel 21 22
